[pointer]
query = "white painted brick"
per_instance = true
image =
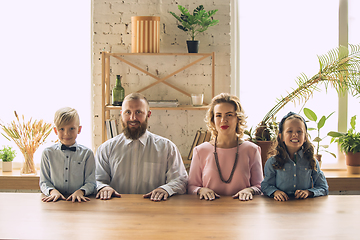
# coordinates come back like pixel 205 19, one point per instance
pixel 101 7
pixel 120 7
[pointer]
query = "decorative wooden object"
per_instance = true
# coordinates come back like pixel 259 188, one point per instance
pixel 145 34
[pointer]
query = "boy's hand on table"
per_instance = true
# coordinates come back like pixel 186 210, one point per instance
pixel 79 196
pixel 54 196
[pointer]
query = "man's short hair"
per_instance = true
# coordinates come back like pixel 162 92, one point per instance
pixel 137 96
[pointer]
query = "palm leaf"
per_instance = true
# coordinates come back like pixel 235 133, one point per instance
pixel 338 68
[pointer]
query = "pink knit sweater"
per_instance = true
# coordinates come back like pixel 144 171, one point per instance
pixel 204 173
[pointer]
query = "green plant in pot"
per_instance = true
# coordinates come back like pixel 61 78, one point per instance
pixel 7 154
pixel 195 23
pixel 265 140
pixel 339 68
pixel 350 144
pixel 311 116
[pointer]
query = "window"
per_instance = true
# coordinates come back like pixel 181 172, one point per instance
pixel 354 37
pixel 279 40
pixel 45 63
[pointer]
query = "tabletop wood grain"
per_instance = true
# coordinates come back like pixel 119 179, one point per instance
pixel 24 216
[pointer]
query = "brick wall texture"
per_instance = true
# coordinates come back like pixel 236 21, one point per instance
pixel 111 31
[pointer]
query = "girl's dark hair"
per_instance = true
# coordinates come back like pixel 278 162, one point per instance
pixel 279 150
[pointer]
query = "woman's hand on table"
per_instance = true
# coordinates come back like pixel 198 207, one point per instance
pixel 207 194
pixel 245 195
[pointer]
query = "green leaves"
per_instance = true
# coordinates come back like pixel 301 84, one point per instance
pixel 7 154
pixel 350 141
pixel 311 115
pixel 339 68
pixel 353 122
pixel 335 134
pixel 197 22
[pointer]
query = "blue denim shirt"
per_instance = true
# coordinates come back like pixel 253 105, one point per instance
pixel 294 176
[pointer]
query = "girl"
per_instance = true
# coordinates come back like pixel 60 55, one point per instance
pixel 293 170
pixel 226 165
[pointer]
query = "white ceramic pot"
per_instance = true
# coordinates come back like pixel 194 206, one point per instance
pixel 7 166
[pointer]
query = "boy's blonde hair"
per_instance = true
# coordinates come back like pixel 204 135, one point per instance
pixel 65 115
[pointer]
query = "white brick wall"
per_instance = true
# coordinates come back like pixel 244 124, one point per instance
pixel 112 32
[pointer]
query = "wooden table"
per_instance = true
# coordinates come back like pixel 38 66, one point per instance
pixel 24 216
pixel 337 180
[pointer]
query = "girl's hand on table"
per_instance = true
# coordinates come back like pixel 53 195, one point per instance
pixel 280 196
pixel 302 194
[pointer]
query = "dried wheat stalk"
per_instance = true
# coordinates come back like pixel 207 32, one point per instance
pixel 28 136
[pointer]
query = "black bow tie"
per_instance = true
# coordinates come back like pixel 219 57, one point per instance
pixel 63 147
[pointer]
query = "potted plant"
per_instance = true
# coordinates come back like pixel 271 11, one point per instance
pixel 264 140
pixel 311 116
pixel 195 23
pixel 339 68
pixel 7 155
pixel 350 144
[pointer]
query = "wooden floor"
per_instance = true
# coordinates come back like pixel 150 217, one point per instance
pixel 24 216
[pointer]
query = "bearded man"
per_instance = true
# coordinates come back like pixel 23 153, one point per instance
pixel 138 161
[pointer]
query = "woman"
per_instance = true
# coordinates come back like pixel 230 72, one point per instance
pixel 226 165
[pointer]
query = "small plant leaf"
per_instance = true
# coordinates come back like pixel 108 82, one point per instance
pixel 353 122
pixel 310 114
pixel 321 122
pixel 335 134
pixel 330 115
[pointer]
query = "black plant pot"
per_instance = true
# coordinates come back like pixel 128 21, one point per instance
pixel 193 46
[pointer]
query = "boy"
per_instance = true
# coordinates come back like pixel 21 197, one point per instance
pixel 67 168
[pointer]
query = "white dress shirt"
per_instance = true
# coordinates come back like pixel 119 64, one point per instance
pixel 67 171
pixel 140 166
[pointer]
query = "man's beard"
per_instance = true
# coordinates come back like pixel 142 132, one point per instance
pixel 134 134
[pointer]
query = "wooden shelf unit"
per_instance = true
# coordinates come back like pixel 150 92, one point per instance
pixel 105 81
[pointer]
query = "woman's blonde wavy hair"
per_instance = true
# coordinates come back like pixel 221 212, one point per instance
pixel 226 98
